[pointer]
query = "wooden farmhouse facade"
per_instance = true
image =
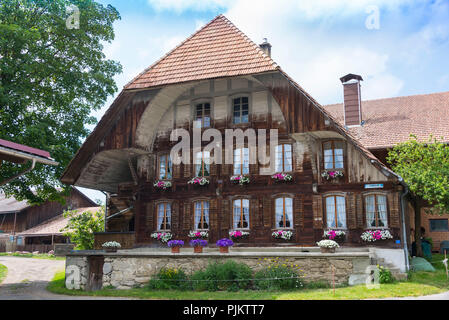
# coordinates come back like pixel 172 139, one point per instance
pixel 219 79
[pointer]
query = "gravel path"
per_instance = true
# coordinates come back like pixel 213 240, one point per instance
pixel 27 279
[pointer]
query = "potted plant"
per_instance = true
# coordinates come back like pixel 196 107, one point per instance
pixel 376 235
pixel 198 181
pixel 162 185
pixel 198 245
pixel 111 246
pixel 224 245
pixel 175 245
pixel 241 180
pixel 237 234
pixel 327 246
pixel 198 234
pixel 282 177
pixel 161 236
pixel 282 234
pixel 330 175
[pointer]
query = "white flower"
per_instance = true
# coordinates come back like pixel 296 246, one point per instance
pixel 111 244
pixel 162 236
pixel 327 244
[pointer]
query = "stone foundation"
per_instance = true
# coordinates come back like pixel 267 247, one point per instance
pixel 126 269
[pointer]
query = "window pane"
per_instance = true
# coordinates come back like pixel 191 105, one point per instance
pixel 244 99
pixel 288 212
pixel 382 211
pixel 370 211
pixel 330 212
pixel 341 212
pixel 439 225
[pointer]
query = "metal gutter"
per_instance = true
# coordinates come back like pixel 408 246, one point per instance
pixel 28 156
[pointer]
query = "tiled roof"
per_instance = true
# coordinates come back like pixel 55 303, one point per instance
pixel 218 49
pixel 54 225
pixel 391 121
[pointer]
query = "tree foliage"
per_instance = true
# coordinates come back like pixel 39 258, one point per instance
pixel 424 166
pixel 51 78
pixel 81 227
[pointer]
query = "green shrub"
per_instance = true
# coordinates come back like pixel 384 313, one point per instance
pixel 171 279
pixel 278 276
pixel 385 275
pixel 230 276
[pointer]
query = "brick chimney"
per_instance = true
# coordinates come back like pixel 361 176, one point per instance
pixel 266 47
pixel 352 100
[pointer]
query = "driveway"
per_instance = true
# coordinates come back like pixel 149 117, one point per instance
pixel 27 279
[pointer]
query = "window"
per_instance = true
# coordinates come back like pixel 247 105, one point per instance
pixel 201 215
pixel 284 212
pixel 376 211
pixel 202 164
pixel 241 161
pixel 283 159
pixel 336 212
pixel 165 167
pixel 333 155
pixel 202 114
pixel 241 214
pixel 438 225
pixel 240 110
pixel 163 216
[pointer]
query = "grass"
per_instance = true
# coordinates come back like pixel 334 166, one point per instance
pixel 420 283
pixel 31 255
pixel 3 272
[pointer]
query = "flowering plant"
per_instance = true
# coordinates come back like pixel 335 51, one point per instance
pixel 198 243
pixel 200 181
pixel 328 175
pixel 374 235
pixel 282 177
pixel 161 236
pixel 175 243
pixel 241 180
pixel 198 234
pixel 332 234
pixel 327 244
pixel 225 242
pixel 282 234
pixel 111 244
pixel 238 234
pixel 162 184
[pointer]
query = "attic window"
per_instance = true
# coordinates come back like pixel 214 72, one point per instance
pixel 202 114
pixel 240 110
pixel 333 155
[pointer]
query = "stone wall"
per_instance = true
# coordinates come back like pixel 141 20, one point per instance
pixel 128 270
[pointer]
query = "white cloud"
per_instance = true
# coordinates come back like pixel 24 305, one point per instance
pixel 182 5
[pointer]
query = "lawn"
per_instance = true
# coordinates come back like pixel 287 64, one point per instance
pixel 420 283
pixel 31 255
pixel 3 272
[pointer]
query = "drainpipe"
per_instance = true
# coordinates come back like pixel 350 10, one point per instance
pixel 403 204
pixel 105 208
pixel 19 174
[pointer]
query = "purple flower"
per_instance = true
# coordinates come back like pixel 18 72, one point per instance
pixel 175 243
pixel 198 242
pixel 225 242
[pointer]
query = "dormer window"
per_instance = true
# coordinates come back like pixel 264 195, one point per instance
pixel 240 107
pixel 202 114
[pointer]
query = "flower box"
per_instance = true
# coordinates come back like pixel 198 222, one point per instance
pixel 111 246
pixel 241 180
pixel 175 249
pixel 224 245
pixel 224 249
pixel 327 246
pixel 198 181
pixel 198 234
pixel 282 177
pixel 336 235
pixel 327 250
pixel 331 175
pixel 282 234
pixel 162 185
pixel 376 235
pixel 238 235
pixel 198 249
pixel 161 236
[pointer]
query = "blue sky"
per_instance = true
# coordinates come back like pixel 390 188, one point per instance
pixel 403 52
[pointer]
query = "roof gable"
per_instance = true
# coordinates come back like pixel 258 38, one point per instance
pixel 219 49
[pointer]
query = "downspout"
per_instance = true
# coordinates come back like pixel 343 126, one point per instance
pixel 405 192
pixel 105 208
pixel 19 174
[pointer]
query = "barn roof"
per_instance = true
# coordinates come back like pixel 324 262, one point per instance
pixel 219 49
pixel 15 152
pixel 390 121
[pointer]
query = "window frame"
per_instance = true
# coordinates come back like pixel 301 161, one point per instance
pixel 283 156
pixel 231 99
pixel 164 203
pixel 335 195
pixel 283 197
pixel 376 213
pixel 323 162
pixel 195 112
pixel 203 164
pixel 439 230
pixel 202 201
pixel 241 162
pixel 241 199
pixel 168 160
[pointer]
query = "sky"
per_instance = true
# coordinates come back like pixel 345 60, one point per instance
pixel 399 47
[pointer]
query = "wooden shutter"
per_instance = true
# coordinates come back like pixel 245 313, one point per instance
pixel 175 216
pixel 360 211
pixel 298 207
pixel 351 210
pixel 393 208
pixel 267 212
pixel 254 220
pixel 188 170
pixel 177 171
pixel 187 217
pixel 317 212
pixel 149 223
pixel 213 219
pixel 225 217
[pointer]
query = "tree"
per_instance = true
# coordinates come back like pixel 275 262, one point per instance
pixel 52 76
pixel 424 166
pixel 81 227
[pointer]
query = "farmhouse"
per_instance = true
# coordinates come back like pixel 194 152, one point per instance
pixel 326 171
